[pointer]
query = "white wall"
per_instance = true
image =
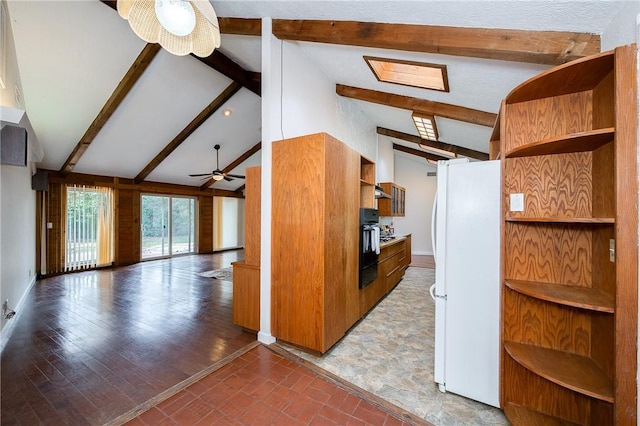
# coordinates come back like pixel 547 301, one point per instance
pixel 385 164
pixel 17 203
pixel 411 173
pixel 298 99
pixel 309 103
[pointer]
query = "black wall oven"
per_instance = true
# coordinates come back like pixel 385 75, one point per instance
pixel 369 246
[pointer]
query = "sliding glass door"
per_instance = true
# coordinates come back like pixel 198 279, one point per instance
pixel 168 226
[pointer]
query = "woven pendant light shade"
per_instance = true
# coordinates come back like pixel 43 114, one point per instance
pixel 142 18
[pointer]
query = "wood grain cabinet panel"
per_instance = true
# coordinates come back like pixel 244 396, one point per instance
pixel 315 201
pixel 570 259
pixel 246 274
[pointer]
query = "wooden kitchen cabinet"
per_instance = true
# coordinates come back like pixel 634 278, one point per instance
pixel 570 258
pixel 392 264
pixel 246 274
pixel 317 186
pixel 393 206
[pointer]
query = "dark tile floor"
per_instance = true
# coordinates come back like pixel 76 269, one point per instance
pixel 262 387
pixel 90 346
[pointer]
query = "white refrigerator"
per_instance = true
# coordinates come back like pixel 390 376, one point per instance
pixel 466 230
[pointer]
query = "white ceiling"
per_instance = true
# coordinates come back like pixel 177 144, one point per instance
pixel 73 54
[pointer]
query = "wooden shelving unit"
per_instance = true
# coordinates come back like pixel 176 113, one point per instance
pixel 567 139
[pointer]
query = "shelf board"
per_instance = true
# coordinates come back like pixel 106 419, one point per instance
pixel 576 372
pixel 574 142
pixel 595 220
pixel 575 76
pixel 577 297
pixel 519 415
pixel 366 183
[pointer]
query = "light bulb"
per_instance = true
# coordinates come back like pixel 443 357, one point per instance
pixel 176 16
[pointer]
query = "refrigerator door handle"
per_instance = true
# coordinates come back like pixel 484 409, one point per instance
pixel 432 292
pixel 433 225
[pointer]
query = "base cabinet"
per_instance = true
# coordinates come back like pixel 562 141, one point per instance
pixel 392 263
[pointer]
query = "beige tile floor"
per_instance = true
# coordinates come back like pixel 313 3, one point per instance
pixel 390 354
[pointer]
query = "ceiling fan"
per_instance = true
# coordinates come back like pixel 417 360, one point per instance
pixel 217 174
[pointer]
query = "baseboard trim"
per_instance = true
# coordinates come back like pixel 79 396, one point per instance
pixel 10 325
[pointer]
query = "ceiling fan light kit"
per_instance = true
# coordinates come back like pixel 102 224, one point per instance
pixel 181 27
pixel 217 174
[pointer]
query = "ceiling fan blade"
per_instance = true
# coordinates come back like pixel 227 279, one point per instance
pixel 228 179
pixel 235 176
pixel 200 174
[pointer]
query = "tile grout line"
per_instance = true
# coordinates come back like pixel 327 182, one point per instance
pixel 162 396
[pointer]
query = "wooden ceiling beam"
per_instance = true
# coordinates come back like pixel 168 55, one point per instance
pixel 241 26
pixel 227 67
pixel 235 163
pixel 439 109
pixel 124 87
pixel 222 63
pixel 418 153
pixel 538 47
pixel 478 155
pixel 223 97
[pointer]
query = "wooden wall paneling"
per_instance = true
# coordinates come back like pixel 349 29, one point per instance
pixel 252 215
pixel 547 118
pixel 549 325
pixel 55 235
pixel 528 389
pixel 626 177
pixel 128 241
pixel 560 188
pixel 540 252
pixel 205 224
pixel 297 244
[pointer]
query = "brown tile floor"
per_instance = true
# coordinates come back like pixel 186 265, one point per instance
pixel 261 387
pixel 91 346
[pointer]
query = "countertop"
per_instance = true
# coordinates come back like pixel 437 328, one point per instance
pixel 397 239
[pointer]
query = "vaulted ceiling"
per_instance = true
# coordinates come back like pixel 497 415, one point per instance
pixel 103 102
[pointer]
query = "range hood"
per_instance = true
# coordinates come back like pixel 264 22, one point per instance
pixel 380 193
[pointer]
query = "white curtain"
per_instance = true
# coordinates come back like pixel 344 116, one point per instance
pixel 89 227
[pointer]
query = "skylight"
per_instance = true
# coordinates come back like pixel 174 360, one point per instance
pixel 408 73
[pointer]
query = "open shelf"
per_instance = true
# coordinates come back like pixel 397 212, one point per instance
pixel 574 142
pixel 576 372
pixel 575 76
pixel 595 220
pixel 519 415
pixel 577 297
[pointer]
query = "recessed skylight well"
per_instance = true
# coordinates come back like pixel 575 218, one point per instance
pixel 426 125
pixel 409 73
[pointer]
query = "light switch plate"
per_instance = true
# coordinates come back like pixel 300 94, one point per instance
pixel 516 202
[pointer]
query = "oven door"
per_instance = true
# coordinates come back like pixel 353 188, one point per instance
pixel 369 241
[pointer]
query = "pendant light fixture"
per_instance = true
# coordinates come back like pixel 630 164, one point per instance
pixel 180 26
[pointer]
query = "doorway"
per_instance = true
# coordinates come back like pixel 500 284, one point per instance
pixel 167 226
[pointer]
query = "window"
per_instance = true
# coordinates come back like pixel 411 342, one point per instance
pixel 88 228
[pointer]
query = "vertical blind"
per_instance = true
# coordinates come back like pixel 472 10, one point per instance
pixel 89 227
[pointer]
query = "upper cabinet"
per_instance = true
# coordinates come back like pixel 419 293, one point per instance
pixel 393 206
pixel 568 140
